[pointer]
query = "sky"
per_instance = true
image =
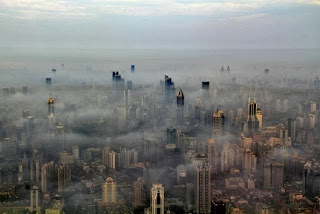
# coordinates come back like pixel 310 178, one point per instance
pixel 178 24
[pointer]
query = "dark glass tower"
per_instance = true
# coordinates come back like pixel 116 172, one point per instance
pixel 180 107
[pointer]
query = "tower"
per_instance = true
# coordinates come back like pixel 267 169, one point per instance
pixel 64 176
pixel 34 199
pixel 213 155
pixel 109 191
pixel 203 199
pixel 169 89
pixel 60 135
pixel 180 107
pixel 292 128
pixel 112 160
pixel 218 122
pixel 44 178
pixel 273 175
pixel 157 199
pixel 50 105
pixel 105 155
pixel 126 93
pixel 51 116
pixel 252 120
pixel 138 195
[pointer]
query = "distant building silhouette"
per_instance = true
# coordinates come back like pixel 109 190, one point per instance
pixel 205 85
pixel 180 107
pixel 169 89
pixel 48 82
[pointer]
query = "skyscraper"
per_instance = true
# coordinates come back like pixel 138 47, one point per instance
pixel 311 179
pixel 292 129
pixel 34 199
pixel 218 122
pixel 169 89
pixel 138 194
pixel 213 155
pixel 109 193
pixel 48 82
pixel 64 176
pixel 105 155
pixel 180 107
pixel 252 120
pixel 50 105
pixel 112 160
pixel 273 175
pixel 203 199
pixel 157 199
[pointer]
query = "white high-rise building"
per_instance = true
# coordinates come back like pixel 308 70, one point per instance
pixel 157 199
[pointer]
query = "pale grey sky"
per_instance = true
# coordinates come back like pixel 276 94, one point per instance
pixel 215 24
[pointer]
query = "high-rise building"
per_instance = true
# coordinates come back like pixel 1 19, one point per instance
pixel 20 172
pixel 273 175
pixel 105 155
pixel 292 129
pixel 112 160
pixel 252 120
pixel 35 170
pixel 311 179
pixel 138 193
pixel 218 122
pixel 250 161
pixel 213 155
pixel 44 178
pixel 203 193
pixel 180 107
pixel 34 199
pixel 157 199
pixel 50 106
pixel 64 176
pixel 128 157
pixel 75 152
pixel 109 194
pixel 169 89
pixel 48 82
pixel 205 85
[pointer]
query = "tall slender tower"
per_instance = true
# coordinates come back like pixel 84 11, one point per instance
pixel 292 129
pixel 253 122
pixel 50 105
pixel 203 199
pixel 180 107
pixel 157 199
pixel 51 116
pixel 213 155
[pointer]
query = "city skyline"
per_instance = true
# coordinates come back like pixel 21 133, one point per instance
pixel 165 106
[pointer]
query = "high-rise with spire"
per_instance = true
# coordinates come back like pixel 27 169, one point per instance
pixel 180 107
